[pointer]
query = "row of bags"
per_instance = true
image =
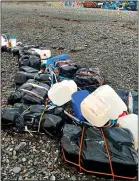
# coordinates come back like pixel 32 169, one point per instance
pixel 98 108
pixel 93 156
pixel 36 106
pixel 83 77
pixel 29 56
pixel 30 94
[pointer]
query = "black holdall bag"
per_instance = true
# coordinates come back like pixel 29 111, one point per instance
pixel 22 77
pixel 66 68
pixel 88 77
pixel 8 113
pixel 37 118
pixel 96 149
pixel 28 69
pixel 33 61
pixel 32 92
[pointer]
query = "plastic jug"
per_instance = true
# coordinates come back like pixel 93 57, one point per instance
pixel 61 92
pixel 77 98
pixel 42 52
pixel 130 122
pixel 45 54
pixel 102 105
pixel 11 42
pixel 4 42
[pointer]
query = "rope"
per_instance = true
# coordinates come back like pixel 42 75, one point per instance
pixel 106 147
pixel 94 172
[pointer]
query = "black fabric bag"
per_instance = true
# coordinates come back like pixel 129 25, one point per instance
pixel 66 68
pixel 22 77
pixel 50 124
pixel 94 156
pixel 32 92
pixel 124 96
pixel 7 114
pixel 30 118
pixel 88 76
pixel 28 69
pixel 33 61
pixel 24 50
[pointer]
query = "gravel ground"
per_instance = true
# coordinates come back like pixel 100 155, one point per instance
pixel 94 37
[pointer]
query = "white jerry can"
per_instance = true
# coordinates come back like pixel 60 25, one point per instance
pixel 61 92
pixel 102 105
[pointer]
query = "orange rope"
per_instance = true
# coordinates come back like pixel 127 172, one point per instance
pixel 93 172
pixel 80 148
pixel 106 146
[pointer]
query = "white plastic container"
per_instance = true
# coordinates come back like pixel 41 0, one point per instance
pixel 4 42
pixel 102 105
pixel 44 54
pixel 12 42
pixel 130 121
pixel 61 92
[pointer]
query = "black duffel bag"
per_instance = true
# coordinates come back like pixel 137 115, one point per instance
pixel 88 77
pixel 22 77
pixel 37 118
pixel 66 68
pixel 32 92
pixel 93 150
pixel 33 61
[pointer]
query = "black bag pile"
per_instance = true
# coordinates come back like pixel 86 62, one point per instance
pixel 33 61
pixel 87 147
pixel 20 116
pixel 97 151
pixel 88 77
pixel 8 113
pixel 66 68
pixel 23 50
pixel 32 92
pixel 27 73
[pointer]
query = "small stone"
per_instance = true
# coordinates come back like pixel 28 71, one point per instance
pixel 46 173
pixel 14 153
pixel 10 153
pixel 20 178
pixel 16 169
pixel 73 178
pixel 14 157
pixel 46 177
pixel 29 162
pixel 44 170
pixel 52 177
pixel 32 156
pixel 35 163
pixel 20 146
pixel 43 151
pixel 11 149
pixel 23 159
pixel 3 161
pixel 7 161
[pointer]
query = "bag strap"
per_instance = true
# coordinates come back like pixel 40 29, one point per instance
pixel 30 92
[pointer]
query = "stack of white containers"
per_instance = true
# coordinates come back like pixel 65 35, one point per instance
pixel 103 105
pixel 61 92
